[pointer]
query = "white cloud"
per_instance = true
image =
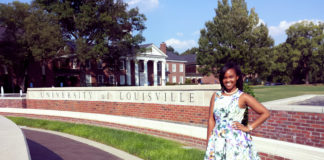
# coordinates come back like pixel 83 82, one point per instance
pixel 179 45
pixel 196 33
pixel 180 34
pixel 143 5
pixel 279 32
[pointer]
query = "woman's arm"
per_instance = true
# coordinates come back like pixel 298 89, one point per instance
pixel 250 101
pixel 211 118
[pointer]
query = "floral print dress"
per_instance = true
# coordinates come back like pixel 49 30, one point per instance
pixel 225 142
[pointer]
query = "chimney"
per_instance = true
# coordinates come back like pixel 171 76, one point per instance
pixel 163 47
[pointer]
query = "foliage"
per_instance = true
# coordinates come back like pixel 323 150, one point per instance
pixel 29 35
pixel 101 29
pixel 193 50
pixel 144 146
pixel 171 49
pixel 234 35
pixel 306 40
pixel 247 89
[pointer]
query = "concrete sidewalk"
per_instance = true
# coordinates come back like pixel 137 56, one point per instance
pixel 51 145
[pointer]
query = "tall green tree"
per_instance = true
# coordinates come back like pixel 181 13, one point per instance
pixel 306 40
pixel 101 29
pixel 234 35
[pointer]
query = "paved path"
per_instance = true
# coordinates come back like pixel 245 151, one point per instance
pixel 48 146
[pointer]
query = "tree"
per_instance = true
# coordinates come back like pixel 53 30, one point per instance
pixel 29 35
pixel 193 50
pixel 234 35
pixel 171 49
pixel 306 40
pixel 101 29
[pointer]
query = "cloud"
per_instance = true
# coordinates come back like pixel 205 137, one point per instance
pixel 180 34
pixel 181 45
pixel 143 5
pixel 279 32
pixel 196 33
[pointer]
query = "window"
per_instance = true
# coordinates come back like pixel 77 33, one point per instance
pixel 99 64
pixel 174 67
pixel 181 68
pixel 88 79
pixel 74 63
pixel 167 67
pixel 43 70
pixel 159 66
pixel 158 79
pixel 100 79
pixel 181 79
pixel 167 78
pixel 141 66
pixel 122 65
pixel 122 79
pixel 111 79
pixel 5 70
pixel 174 79
pixel 88 64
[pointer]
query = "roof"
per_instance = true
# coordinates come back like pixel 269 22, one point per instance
pixel 190 58
pixel 145 45
pixel 174 57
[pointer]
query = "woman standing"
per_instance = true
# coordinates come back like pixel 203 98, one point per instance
pixel 227 137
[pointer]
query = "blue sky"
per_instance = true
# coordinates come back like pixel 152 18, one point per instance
pixel 178 22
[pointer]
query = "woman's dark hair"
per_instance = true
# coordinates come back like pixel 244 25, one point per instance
pixel 237 69
pixel 239 84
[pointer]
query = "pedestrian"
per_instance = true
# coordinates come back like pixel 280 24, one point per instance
pixel 228 138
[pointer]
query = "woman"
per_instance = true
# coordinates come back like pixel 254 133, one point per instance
pixel 227 137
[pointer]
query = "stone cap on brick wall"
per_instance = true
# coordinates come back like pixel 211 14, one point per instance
pixel 190 95
pixel 207 87
pixel 13 144
pixel 287 104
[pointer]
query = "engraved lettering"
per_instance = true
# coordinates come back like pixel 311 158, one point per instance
pixel 136 95
pixel 191 97
pixel 90 95
pixel 165 96
pixel 172 97
pixel 181 100
pixel 120 96
pixel 149 96
pixel 42 94
pixel 157 94
pixel 128 96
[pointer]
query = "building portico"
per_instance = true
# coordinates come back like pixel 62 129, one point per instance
pixel 146 68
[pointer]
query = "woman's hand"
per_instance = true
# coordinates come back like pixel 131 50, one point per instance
pixel 237 125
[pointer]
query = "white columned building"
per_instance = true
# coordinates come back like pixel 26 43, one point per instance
pixel 155 74
pixel 144 67
pixel 128 72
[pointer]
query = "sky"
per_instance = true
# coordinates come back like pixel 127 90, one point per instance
pixel 178 22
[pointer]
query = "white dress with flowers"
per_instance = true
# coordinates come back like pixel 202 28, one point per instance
pixel 225 142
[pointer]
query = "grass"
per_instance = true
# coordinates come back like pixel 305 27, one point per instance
pixel 269 93
pixel 144 146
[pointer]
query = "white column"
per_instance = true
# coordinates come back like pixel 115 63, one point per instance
pixel 163 73
pixel 128 72
pixel 145 73
pixel 155 72
pixel 136 74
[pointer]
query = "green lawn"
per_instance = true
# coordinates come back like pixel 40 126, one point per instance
pixel 268 93
pixel 144 146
